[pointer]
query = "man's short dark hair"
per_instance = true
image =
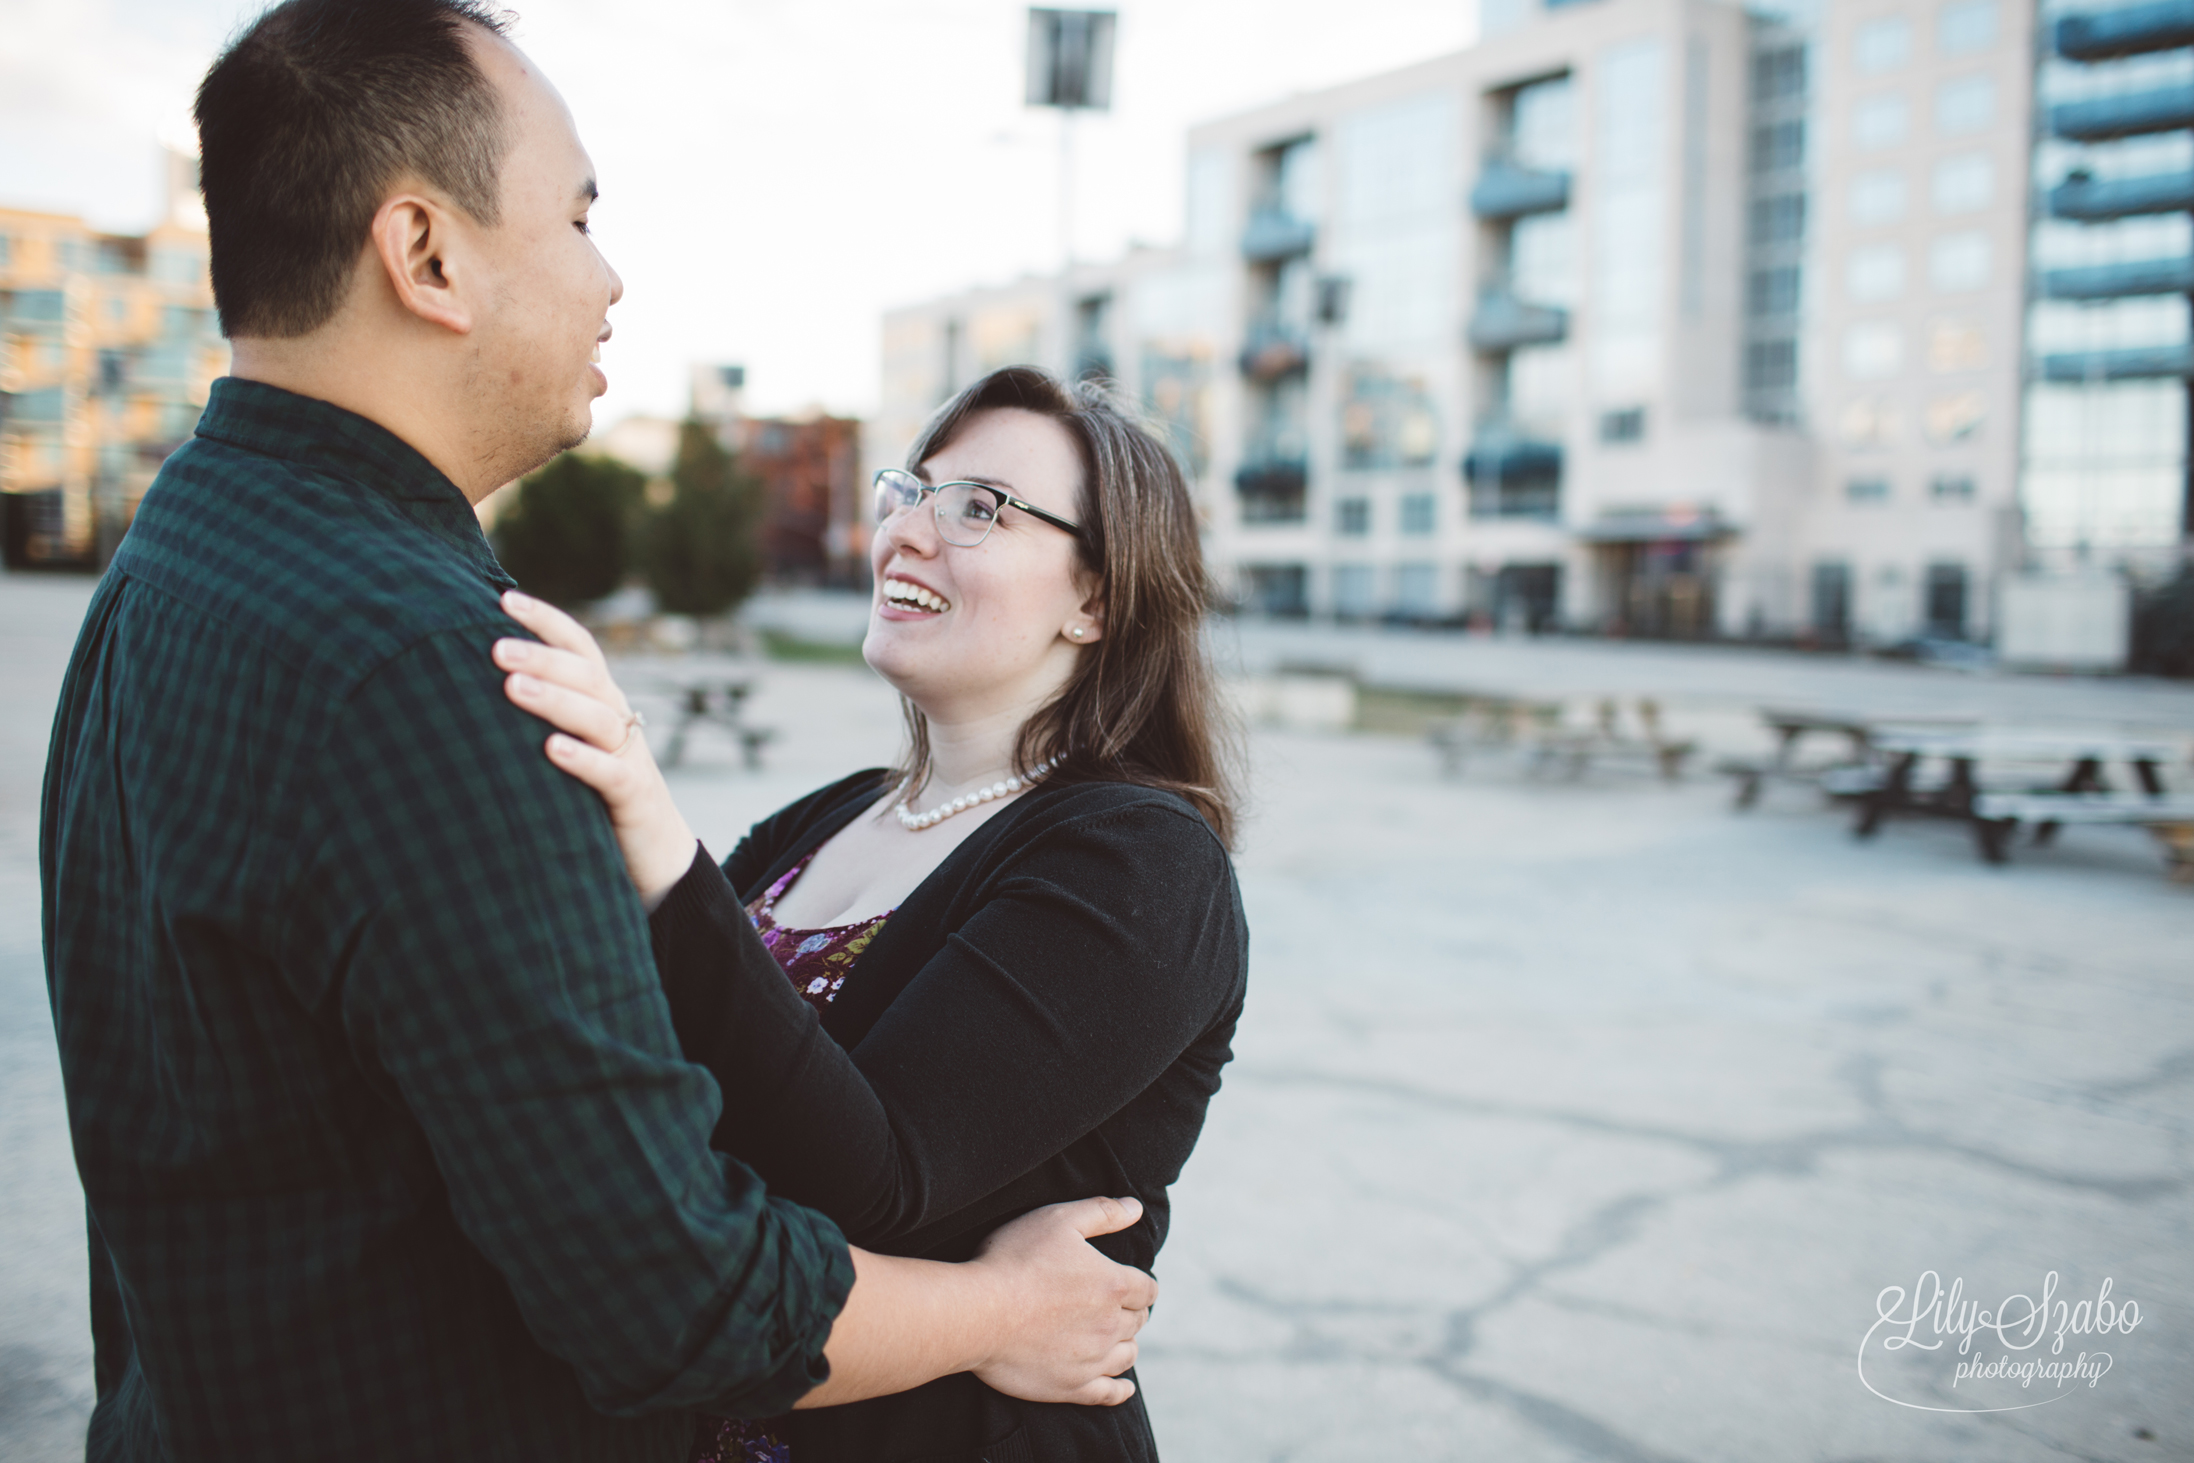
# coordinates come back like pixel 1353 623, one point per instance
pixel 303 125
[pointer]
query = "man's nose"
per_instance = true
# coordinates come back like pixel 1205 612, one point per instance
pixel 616 283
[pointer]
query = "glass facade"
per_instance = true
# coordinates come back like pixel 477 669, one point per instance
pixel 2105 451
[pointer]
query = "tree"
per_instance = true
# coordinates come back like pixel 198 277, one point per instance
pixel 702 550
pixel 564 538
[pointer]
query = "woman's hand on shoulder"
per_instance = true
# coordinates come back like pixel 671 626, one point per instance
pixel 564 680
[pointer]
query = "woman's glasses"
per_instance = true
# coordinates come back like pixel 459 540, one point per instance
pixel 966 512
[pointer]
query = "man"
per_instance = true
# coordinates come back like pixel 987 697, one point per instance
pixel 388 1148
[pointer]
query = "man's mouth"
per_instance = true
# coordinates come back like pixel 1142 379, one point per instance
pixel 910 596
pixel 597 356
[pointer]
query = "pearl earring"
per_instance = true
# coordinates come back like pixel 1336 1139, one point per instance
pixel 1076 632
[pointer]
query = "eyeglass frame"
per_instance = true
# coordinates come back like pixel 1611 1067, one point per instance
pixel 1005 500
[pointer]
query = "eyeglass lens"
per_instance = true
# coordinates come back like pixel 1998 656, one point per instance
pixel 965 512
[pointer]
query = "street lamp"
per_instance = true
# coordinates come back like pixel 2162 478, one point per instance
pixel 1070 68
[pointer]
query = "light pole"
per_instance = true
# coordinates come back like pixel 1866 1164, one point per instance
pixel 1070 68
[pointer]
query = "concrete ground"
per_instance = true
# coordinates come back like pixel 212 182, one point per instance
pixel 1570 1120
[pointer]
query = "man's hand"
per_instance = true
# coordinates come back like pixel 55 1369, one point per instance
pixel 1039 1314
pixel 1074 1313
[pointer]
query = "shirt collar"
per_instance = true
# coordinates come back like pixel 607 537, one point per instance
pixel 318 434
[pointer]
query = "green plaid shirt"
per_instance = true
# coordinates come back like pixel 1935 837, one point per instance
pixel 387 1143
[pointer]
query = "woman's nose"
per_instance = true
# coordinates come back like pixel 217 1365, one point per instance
pixel 913 529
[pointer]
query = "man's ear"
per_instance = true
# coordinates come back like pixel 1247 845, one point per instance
pixel 413 238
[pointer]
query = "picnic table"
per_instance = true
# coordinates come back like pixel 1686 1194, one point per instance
pixel 716 700
pixel 1553 744
pixel 1940 774
pixel 1839 776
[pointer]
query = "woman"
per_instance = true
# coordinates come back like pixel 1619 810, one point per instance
pixel 1016 960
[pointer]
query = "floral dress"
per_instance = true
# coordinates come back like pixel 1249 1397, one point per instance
pixel 816 961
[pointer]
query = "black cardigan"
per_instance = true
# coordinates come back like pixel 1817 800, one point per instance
pixel 1043 1019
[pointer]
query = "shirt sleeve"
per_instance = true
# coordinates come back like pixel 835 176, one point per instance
pixel 1105 949
pixel 499 984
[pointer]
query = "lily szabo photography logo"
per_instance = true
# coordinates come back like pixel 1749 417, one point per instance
pixel 1937 1351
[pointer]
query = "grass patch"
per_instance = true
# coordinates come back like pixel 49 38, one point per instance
pixel 777 645
pixel 1406 713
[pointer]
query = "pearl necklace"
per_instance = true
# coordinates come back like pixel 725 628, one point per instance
pixel 915 822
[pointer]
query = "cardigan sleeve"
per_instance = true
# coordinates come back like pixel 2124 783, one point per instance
pixel 1107 945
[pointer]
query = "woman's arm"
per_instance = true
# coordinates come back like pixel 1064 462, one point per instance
pixel 1106 950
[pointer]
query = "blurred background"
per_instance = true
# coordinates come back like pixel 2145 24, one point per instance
pixel 1703 502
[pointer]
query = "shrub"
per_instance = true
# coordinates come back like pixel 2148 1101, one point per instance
pixel 564 538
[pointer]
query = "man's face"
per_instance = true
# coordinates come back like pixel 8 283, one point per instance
pixel 547 290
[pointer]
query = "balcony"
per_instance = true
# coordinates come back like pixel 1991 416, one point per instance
pixel 2093 200
pixel 2131 30
pixel 1512 475
pixel 1273 352
pixel 34 312
pixel 2118 281
pixel 1275 235
pixel 1272 489
pixel 1505 190
pixel 2165 109
pixel 2147 363
pixel 1502 323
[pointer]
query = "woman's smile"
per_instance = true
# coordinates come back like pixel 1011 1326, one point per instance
pixel 902 598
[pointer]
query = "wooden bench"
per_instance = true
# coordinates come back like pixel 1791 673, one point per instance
pixel 2169 816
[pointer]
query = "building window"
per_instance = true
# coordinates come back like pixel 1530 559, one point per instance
pixel 1957 262
pixel 1778 75
pixel 1956 418
pixel 1778 146
pixel 1967 104
pixel 1878 198
pixel 1873 350
pixel 1944 605
pixel 1093 338
pixel 1778 220
pixel 1955 345
pixel 1951 488
pixel 1772 291
pixel 1627 425
pixel 1875 274
pixel 1867 490
pixel 1964 184
pixel 1387 418
pixel 1355 592
pixel 1879 121
pixel 1418 515
pixel 1882 45
pixel 1276 589
pixel 1417 589
pixel 1354 517
pixel 1832 600
pixel 1965 27
pixel 1771 365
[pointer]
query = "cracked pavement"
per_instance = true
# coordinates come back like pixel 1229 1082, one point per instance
pixel 1568 1121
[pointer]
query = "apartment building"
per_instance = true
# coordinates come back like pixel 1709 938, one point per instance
pixel 108 345
pixel 1661 318
pixel 2110 356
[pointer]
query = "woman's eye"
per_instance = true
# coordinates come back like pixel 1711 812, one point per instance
pixel 581 226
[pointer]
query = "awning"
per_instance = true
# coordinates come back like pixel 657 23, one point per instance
pixel 1656 525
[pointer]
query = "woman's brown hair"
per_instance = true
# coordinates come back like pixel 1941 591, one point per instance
pixel 1143 704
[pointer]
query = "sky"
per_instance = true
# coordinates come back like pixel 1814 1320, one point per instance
pixel 775 173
